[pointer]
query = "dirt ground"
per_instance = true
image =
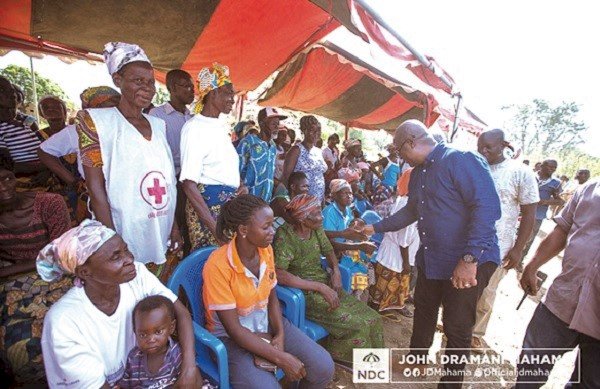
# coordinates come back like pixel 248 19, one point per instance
pixel 504 335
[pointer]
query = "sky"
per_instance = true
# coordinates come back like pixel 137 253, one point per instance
pixel 498 52
pixel 509 52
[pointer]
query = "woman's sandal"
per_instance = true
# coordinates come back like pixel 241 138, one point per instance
pixel 391 315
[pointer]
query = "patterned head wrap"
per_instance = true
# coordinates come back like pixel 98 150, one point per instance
pixel 71 249
pixel 301 206
pixel 338 184
pixel 94 97
pixel 118 54
pixel 348 143
pixel 210 79
pixel 349 174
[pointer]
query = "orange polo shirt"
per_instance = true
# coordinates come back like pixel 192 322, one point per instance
pixel 228 284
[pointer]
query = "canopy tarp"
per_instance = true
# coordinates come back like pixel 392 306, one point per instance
pixel 253 37
pixel 328 81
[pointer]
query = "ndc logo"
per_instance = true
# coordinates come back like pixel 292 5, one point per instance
pixel 371 358
pixel 371 365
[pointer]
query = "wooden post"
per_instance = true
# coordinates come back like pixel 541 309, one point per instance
pixel 346 131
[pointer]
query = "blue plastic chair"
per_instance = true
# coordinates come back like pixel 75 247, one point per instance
pixel 188 276
pixel 372 217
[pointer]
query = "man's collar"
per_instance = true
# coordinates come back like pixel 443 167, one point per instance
pixel 437 151
pixel 169 109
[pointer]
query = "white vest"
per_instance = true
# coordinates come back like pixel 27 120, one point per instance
pixel 140 182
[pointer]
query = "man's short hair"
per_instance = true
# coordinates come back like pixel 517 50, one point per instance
pixel 175 75
pixel 151 303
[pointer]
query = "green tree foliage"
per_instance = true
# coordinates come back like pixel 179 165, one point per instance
pixel 571 160
pixel 21 77
pixel 539 127
pixel 544 131
pixel 161 96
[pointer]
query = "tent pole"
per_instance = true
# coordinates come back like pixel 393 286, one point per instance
pixel 34 87
pixel 241 110
pixel 420 57
pixel 455 125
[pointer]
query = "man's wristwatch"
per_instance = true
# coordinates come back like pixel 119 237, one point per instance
pixel 468 258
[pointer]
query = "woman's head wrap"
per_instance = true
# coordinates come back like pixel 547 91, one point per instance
pixel 363 166
pixel 302 206
pixel 95 96
pixel 349 174
pixel 338 184
pixel 348 143
pixel 210 79
pixel 118 54
pixel 71 249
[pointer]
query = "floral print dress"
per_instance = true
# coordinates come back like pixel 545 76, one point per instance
pixel 311 163
pixel 351 325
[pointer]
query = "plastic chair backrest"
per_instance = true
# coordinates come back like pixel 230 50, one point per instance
pixel 372 217
pixel 188 276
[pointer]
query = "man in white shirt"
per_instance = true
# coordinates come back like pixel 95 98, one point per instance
pixel 175 112
pixel 517 188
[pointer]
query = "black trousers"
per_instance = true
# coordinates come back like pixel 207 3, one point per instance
pixel 459 312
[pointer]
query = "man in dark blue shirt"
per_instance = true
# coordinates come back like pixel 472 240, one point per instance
pixel 453 198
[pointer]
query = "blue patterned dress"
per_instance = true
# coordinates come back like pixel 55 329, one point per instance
pixel 257 165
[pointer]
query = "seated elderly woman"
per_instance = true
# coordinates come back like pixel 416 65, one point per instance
pixel 242 307
pixel 298 249
pixel 28 221
pixel 88 333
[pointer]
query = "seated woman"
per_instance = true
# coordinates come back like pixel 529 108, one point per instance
pixel 88 333
pixel 28 221
pixel 298 249
pixel 297 184
pixel 242 307
pixel 337 217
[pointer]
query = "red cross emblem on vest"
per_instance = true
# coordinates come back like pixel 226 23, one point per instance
pixel 153 189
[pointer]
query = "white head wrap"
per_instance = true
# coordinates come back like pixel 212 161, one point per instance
pixel 71 249
pixel 118 54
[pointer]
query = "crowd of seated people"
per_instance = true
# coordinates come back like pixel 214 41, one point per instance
pixel 95 216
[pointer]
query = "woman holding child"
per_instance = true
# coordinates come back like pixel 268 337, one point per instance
pixel 89 332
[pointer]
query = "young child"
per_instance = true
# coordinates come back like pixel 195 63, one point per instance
pixel 156 360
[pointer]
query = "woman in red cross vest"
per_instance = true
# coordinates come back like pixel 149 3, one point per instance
pixel 128 164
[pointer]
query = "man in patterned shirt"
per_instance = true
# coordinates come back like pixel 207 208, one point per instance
pixel 518 192
pixel 258 153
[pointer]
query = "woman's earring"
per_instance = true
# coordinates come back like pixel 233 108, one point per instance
pixel 244 236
